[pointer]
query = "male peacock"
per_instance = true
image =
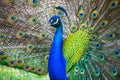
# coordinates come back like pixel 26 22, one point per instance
pixel 89 41
pixel 56 62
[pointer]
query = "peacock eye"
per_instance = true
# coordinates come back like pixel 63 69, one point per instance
pixel 54 20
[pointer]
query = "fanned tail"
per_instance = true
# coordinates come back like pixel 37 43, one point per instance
pixel 102 21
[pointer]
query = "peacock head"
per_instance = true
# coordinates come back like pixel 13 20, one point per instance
pixel 55 21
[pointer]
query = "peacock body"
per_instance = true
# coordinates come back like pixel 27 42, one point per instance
pixel 84 45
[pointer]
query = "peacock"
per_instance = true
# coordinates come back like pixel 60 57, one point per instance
pixel 60 40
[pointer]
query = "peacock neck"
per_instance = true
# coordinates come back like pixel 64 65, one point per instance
pixel 57 64
pixel 57 41
pixel 59 29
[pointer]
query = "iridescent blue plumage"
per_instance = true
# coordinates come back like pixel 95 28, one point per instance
pixel 56 64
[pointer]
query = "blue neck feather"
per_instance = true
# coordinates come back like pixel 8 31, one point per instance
pixel 56 64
